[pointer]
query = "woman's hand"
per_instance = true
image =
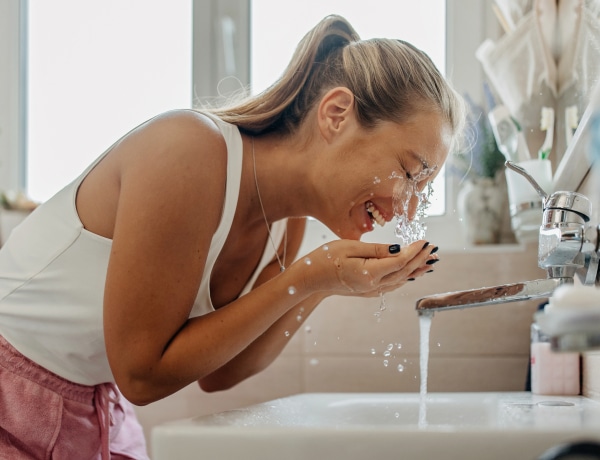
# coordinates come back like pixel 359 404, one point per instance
pixel 348 267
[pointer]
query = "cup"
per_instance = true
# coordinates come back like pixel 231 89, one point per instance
pixel 526 206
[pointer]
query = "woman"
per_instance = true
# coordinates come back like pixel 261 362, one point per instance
pixel 173 258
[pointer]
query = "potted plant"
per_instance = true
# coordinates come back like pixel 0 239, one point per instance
pixel 482 201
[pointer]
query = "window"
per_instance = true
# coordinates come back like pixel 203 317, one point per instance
pixel 95 70
pixel 207 57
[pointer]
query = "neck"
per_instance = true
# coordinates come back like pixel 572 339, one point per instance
pixel 283 193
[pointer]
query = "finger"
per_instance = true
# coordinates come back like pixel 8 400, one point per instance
pixel 418 265
pixel 358 249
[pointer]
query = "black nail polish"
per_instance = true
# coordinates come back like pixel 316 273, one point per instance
pixel 394 249
pixel 410 279
pixel 432 261
pixel 429 271
pixel 425 245
pixel 434 250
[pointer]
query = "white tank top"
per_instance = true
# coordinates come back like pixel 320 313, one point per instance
pixel 53 271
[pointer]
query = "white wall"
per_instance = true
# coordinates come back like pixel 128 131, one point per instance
pixel 10 92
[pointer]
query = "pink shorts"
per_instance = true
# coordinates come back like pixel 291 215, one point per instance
pixel 43 416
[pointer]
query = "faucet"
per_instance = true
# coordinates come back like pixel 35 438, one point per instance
pixel 568 247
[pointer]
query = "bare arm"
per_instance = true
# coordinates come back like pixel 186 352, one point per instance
pixel 263 351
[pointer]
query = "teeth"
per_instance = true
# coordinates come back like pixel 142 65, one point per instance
pixel 375 215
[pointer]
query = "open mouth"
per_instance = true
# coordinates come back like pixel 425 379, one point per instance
pixel 374 214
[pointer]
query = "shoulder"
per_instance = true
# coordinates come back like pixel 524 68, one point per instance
pixel 178 158
pixel 182 127
pixel 175 141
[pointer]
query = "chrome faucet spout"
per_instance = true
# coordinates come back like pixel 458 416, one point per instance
pixel 490 295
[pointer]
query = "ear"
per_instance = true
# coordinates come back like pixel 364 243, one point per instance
pixel 335 112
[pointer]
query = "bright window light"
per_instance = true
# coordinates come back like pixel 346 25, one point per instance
pixel 96 69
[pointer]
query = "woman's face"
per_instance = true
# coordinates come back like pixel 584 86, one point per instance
pixel 379 170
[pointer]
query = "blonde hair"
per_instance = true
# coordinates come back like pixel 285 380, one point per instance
pixel 391 80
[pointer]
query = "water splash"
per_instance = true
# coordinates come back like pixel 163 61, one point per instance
pixel 404 191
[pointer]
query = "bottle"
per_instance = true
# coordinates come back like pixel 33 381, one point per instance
pixel 552 373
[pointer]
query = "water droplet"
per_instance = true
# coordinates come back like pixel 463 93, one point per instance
pixel 325 247
pixel 439 344
pixel 299 318
pixel 314 362
pixel 286 333
pixel 387 353
pixel 365 272
pixel 329 256
pixel 399 346
pixel 400 368
pixel 397 415
pixel 390 347
pixel 308 329
pixel 377 180
pixel 373 351
pixel 307 261
pixel 291 290
pixel 385 363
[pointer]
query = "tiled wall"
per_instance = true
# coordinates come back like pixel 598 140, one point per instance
pixel 341 348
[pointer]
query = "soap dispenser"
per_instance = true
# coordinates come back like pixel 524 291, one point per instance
pixel 552 373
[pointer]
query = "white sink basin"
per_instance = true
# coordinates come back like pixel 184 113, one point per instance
pixel 349 426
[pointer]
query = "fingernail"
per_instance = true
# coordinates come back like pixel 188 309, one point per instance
pixel 410 279
pixel 434 250
pixel 425 245
pixel 431 261
pixel 429 271
pixel 394 249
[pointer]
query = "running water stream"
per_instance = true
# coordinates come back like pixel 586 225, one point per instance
pixel 424 329
pixel 410 230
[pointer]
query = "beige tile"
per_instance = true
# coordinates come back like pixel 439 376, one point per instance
pixel 357 374
pixel 349 374
pixel 499 373
pixel 343 325
pixel 344 328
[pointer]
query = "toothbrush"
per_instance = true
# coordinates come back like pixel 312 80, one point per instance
pixel 571 122
pixel 547 124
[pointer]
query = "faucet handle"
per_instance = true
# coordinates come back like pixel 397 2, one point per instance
pixel 570 201
pixel 518 169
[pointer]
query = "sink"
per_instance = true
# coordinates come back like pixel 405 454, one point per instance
pixel 358 426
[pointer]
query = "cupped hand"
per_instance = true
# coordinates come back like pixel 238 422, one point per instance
pixel 348 267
